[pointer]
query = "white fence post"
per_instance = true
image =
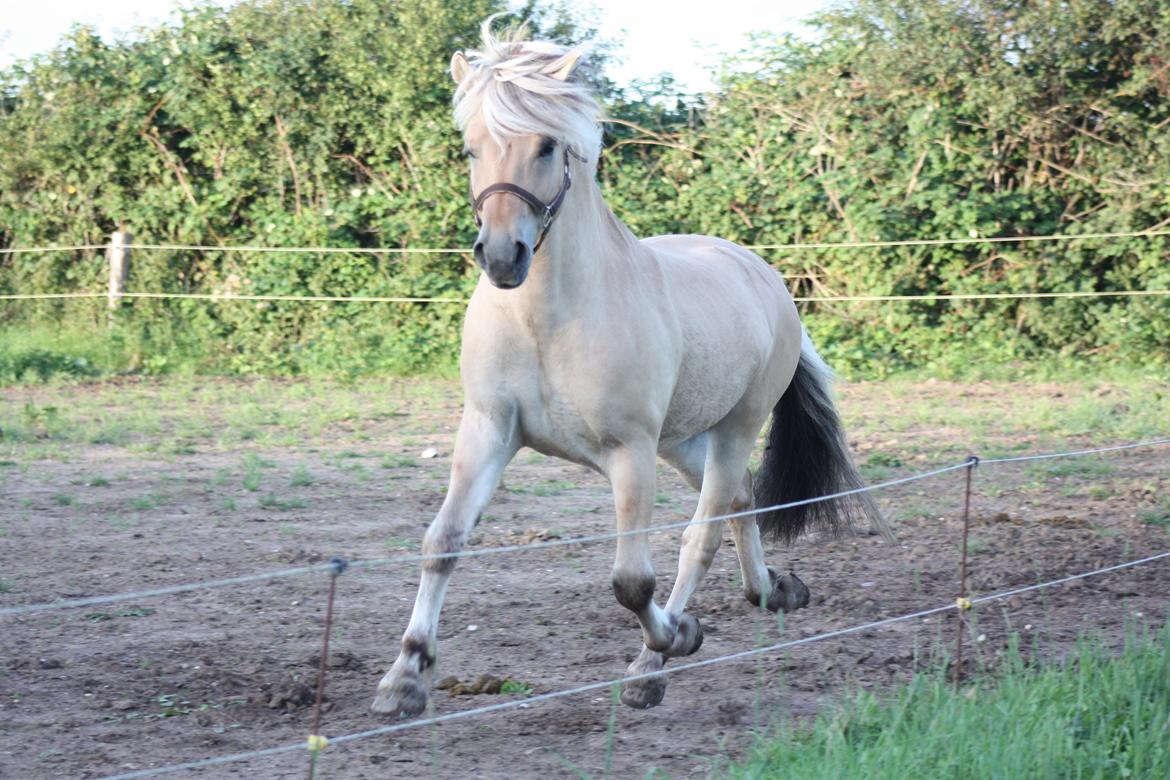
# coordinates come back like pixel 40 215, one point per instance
pixel 118 254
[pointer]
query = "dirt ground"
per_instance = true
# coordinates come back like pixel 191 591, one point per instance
pixel 94 691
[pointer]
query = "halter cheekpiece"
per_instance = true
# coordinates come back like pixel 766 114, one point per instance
pixel 547 211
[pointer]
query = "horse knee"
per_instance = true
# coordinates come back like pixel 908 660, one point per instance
pixel 633 590
pixel 701 541
pixel 440 547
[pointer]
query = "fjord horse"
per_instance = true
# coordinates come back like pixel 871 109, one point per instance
pixel 583 342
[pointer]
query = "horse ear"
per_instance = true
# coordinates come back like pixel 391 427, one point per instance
pixel 459 67
pixel 570 62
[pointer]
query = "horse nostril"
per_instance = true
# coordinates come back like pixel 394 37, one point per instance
pixel 478 252
pixel 521 253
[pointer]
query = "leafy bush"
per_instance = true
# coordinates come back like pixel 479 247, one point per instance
pixel 306 124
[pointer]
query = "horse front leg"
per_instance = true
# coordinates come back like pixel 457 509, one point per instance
pixel 483 447
pixel 664 634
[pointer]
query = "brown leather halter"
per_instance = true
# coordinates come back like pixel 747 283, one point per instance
pixel 547 211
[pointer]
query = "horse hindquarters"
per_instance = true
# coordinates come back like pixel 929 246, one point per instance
pixel 807 456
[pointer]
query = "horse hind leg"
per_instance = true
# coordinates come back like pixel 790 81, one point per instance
pixel 762 585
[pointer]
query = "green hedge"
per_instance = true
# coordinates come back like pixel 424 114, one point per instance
pixel 297 123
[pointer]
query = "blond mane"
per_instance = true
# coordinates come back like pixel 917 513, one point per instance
pixel 521 87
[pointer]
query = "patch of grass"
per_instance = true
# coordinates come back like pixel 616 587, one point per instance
pixel 1101 491
pixel 884 459
pixel 1159 515
pixel 1091 716
pixel 975 545
pixel 129 612
pixel 252 474
pixel 63 499
pixel 398 462
pixel 550 487
pixel 254 461
pixel 119 522
pixel 402 543
pixel 912 510
pixel 1073 467
pixel 879 466
pixel 272 501
pixel 301 477
pixel 144 503
pixel 516 687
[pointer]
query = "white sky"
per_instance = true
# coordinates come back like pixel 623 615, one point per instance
pixel 682 37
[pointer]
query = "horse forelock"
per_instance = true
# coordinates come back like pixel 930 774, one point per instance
pixel 518 87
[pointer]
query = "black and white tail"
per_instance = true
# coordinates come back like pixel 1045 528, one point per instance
pixel 807 456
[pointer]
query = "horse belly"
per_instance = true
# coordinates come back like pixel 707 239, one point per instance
pixel 706 392
pixel 726 349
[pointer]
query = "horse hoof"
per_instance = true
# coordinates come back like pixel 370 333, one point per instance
pixel 644 694
pixel 688 637
pixel 404 697
pixel 788 592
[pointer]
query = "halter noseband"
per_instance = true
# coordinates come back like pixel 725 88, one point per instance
pixel 547 211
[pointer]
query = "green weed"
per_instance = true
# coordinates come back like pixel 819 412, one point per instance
pixel 1090 716
pixel 129 612
pixel 511 687
pixel 272 501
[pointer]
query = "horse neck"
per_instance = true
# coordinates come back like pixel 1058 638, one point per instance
pixel 582 250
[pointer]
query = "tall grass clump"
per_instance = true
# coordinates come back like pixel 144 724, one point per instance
pixel 1091 716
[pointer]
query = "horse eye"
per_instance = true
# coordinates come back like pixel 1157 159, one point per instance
pixel 469 154
pixel 547 146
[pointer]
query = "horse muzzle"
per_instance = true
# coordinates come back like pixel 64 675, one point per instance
pixel 506 263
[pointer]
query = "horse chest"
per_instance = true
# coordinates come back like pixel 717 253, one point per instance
pixel 555 421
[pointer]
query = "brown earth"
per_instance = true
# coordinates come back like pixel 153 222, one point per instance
pixel 94 691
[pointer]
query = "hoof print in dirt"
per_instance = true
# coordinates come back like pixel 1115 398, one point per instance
pixel 339 660
pixel 731 713
pixel 788 592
